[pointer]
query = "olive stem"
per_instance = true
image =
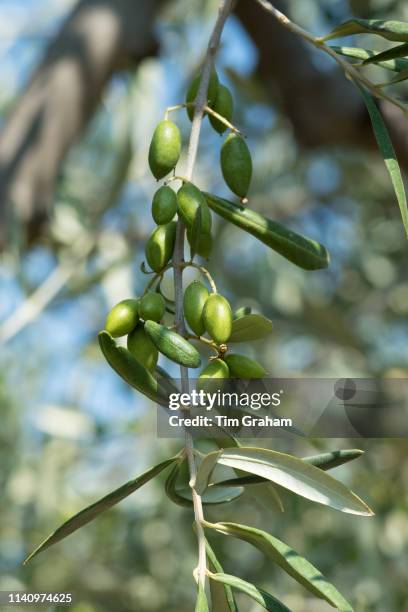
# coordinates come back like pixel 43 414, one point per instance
pixel 204 272
pixel 209 343
pixel 222 119
pixel 350 71
pixel 176 107
pixel 225 8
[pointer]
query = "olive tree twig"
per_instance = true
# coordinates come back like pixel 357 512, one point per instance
pixel 350 71
pixel 225 8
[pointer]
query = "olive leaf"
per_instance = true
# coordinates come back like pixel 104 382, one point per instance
pixel 303 252
pixel 241 312
pixel 324 461
pixel 128 368
pixel 389 54
pixel 401 76
pixel 387 150
pixel 396 65
pixel 266 600
pixel 267 495
pixel 206 470
pixel 182 496
pixel 391 30
pixel 222 597
pixel 201 604
pixel 145 270
pixel 288 559
pixel 91 512
pixel 250 327
pixel 291 473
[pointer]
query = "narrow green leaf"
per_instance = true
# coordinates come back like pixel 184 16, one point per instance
pixel 201 604
pixel 289 560
pixel 128 368
pixel 222 597
pixel 205 471
pixel 389 54
pixel 182 495
pixel 391 30
pixel 328 461
pixel 388 153
pixel 401 76
pixel 91 512
pixel 250 327
pixel 242 311
pixel 267 495
pixel 293 474
pixel 266 600
pixel 364 54
pixel 324 461
pixel 300 250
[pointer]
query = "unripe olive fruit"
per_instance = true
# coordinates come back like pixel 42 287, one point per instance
pixel 217 318
pixel 172 345
pixel 164 205
pixel 123 318
pixel 212 378
pixel 224 106
pixel 160 245
pixel 142 348
pixel 193 90
pixel 165 147
pixel 217 368
pixel 189 200
pixel 244 367
pixel 152 307
pixel 195 296
pixel 236 164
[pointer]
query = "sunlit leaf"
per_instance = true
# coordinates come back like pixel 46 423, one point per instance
pixel 222 597
pixel 266 600
pixel 91 512
pixel 324 461
pixel 388 153
pixel 250 327
pixel 389 54
pixel 396 65
pixel 293 474
pixel 289 560
pixel 391 30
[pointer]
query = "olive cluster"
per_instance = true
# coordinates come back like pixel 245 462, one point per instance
pixel 207 313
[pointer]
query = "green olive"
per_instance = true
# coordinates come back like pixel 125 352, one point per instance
pixel 123 318
pixel 152 307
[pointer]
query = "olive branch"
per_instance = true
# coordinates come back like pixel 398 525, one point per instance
pixel 178 257
pixel 137 365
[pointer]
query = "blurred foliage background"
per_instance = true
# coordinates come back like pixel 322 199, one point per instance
pixel 70 428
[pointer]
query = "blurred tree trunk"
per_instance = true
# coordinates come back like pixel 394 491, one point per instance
pixel 98 38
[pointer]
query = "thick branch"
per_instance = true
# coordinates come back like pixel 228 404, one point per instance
pixel 99 38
